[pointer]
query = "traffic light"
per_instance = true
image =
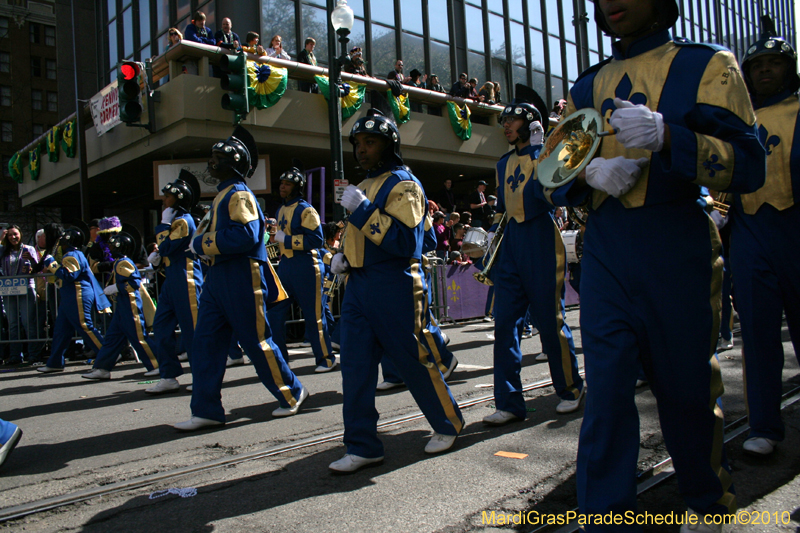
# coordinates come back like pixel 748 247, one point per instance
pixel 234 80
pixel 129 79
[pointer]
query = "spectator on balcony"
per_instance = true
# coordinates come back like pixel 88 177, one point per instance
pixel 276 48
pixel 433 84
pixel 417 79
pixel 197 30
pixel 252 46
pixel 174 36
pixel 473 90
pixel 486 93
pixel 558 109
pixel 356 65
pixel 461 87
pixel 226 37
pixel 497 94
pixel 397 73
pixel 307 56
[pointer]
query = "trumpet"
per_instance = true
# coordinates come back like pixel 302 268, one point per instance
pixel 722 203
pixel 338 279
pixel 491 252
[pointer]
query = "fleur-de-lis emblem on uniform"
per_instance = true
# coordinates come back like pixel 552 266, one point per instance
pixel 374 228
pixel 297 242
pixel 712 166
pixel 623 92
pixel 208 242
pixel 282 223
pixel 769 142
pixel 516 179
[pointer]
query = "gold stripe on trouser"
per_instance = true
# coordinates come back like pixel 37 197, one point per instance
pixel 566 362
pixel 261 329
pixel 82 317
pixel 192 290
pixel 439 385
pixel 717 388
pixel 318 310
pixel 138 324
pixel 437 356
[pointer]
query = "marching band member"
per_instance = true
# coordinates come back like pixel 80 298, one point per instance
pixel 683 120
pixel 180 292
pixel 530 270
pixel 765 247
pixel 383 253
pixel 301 270
pixel 80 293
pixel 128 323
pixel 238 286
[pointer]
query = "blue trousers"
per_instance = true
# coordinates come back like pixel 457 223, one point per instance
pixel 765 256
pixel 726 324
pixel 651 292
pixel 233 302
pixel 74 313
pixel 177 305
pixel 530 274
pixel 370 331
pixel 124 328
pixel 302 277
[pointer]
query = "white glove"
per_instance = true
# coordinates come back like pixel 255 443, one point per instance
pixel 111 290
pixel 638 126
pixel 718 219
pixel 615 176
pixel 352 198
pixel 339 264
pixel 154 259
pixel 537 133
pixel 168 215
pixel 280 237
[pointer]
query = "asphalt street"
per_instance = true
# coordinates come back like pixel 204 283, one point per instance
pixel 80 435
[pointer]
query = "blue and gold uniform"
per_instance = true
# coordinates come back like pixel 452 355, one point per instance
pixel 383 244
pixel 239 284
pixel 652 272
pixel 180 293
pixel 765 256
pixel 128 322
pixel 529 272
pixel 302 274
pixel 80 294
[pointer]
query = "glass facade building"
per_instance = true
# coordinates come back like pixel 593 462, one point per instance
pixel 543 43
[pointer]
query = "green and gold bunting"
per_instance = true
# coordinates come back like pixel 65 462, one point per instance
pixel 53 147
pixel 350 102
pixel 268 83
pixel 35 161
pixel 15 165
pixel 68 139
pixel 401 107
pixel 459 119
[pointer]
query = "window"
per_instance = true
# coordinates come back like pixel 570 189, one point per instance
pixel 3 27
pixel 50 68
pixel 127 32
pixel 384 52
pixel 36 99
pixel 36 67
pixel 5 96
pixel 6 171
pixel 6 135
pixel 50 35
pixel 38 131
pixel 52 102
pixel 5 62
pixel 35 33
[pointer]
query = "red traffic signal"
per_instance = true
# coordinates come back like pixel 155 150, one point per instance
pixel 130 70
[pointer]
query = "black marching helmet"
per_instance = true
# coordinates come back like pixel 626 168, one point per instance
pixel 186 189
pixel 668 13
pixel 379 124
pixel 126 243
pixel 529 106
pixel 240 153
pixel 771 44
pixel 295 175
pixel 73 237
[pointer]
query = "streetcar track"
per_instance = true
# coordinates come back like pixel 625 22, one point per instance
pixel 46 504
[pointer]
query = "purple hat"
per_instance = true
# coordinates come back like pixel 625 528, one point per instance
pixel 110 225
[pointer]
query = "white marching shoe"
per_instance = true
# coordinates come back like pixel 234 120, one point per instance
pixel 569 406
pixel 195 423
pixel 352 463
pixel 164 386
pixel 289 411
pixel 97 373
pixel 450 369
pixel 152 373
pixel 440 443
pixel 499 418
pixel 759 445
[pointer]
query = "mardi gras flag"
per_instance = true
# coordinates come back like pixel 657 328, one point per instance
pixel 459 119
pixel 33 158
pixel 68 139
pixel 53 147
pixel 15 165
pixel 401 107
pixel 268 83
pixel 351 102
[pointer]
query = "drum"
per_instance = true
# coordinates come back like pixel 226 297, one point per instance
pixel 573 242
pixel 475 242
